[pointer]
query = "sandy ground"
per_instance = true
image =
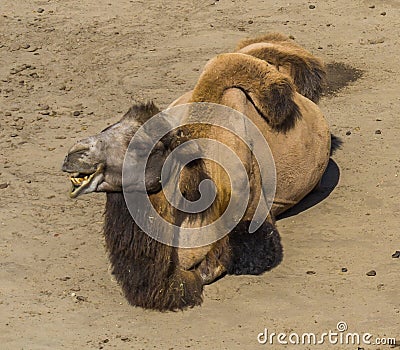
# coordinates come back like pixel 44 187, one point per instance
pixel 94 58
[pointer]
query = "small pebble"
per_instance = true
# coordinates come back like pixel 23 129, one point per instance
pixel 396 255
pixel 7 114
pixel 348 133
pixel 372 6
pixel 40 10
pixel 3 186
pixel 33 49
pixel 14 135
pixel 378 120
pixel 26 46
pixel 76 113
pixel 378 132
pixel 311 7
pixel 310 272
pixel 344 269
pixel 250 21
pixel 376 41
pixel 383 13
pixel 371 273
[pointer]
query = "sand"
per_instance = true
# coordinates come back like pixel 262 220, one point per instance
pixel 69 68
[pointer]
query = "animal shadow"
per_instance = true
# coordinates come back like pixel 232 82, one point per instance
pixel 338 76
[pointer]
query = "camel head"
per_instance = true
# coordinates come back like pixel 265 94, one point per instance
pixel 95 163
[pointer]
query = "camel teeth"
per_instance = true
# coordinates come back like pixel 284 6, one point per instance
pixel 76 180
pixel 79 181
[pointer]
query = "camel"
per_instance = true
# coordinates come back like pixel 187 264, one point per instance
pixel 262 81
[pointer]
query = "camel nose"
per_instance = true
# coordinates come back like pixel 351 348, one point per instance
pixel 84 156
pixel 66 166
pixel 74 155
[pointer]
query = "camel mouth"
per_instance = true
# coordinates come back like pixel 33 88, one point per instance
pixel 83 183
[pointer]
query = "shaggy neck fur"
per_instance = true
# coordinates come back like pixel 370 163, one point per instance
pixel 145 268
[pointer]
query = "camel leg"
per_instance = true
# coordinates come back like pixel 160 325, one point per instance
pixel 243 253
pixel 184 290
pixel 210 269
pixel 216 261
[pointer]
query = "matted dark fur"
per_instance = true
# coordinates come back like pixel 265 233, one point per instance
pixel 336 143
pixel 145 268
pixel 254 253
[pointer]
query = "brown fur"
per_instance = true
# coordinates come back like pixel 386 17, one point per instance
pixel 271 91
pixel 307 71
pixel 149 271
pixel 301 154
pixel 146 269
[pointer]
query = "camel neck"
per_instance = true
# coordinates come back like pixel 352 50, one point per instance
pixel 140 264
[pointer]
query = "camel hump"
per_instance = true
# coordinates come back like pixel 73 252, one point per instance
pixel 271 91
pixel 307 71
pixel 266 38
